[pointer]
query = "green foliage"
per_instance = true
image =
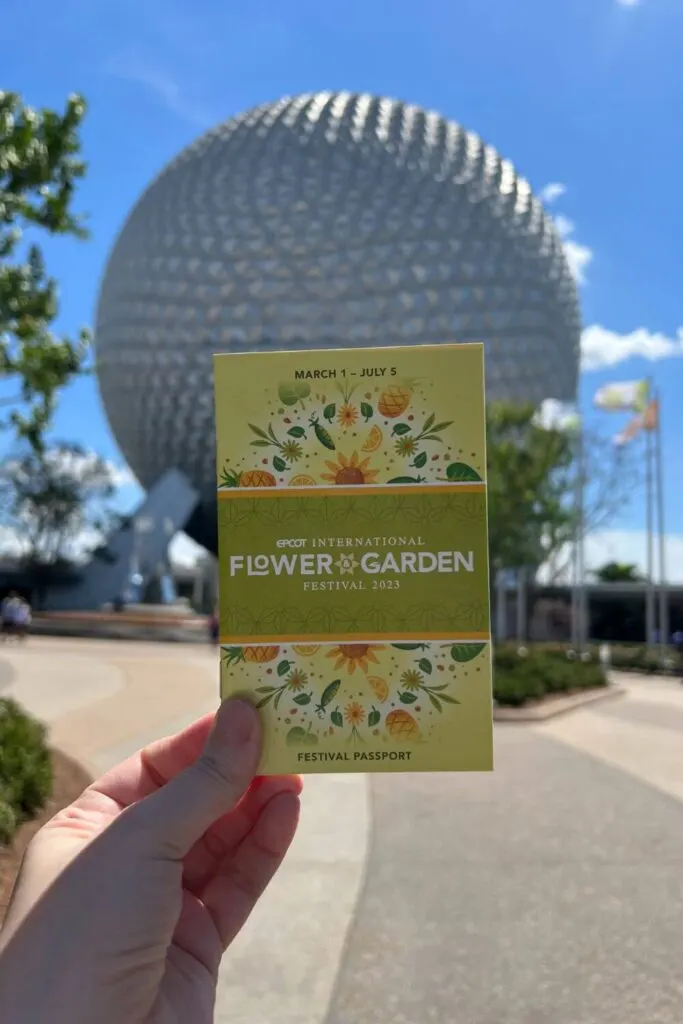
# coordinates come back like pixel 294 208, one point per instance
pixel 54 498
pixel 25 768
pixel 39 166
pixel 528 470
pixel 619 572
pixel 533 477
pixel 536 673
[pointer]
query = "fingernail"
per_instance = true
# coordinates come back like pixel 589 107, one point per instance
pixel 240 722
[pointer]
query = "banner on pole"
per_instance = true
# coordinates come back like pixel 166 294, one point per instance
pixel 624 396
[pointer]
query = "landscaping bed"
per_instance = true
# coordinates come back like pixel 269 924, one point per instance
pixel 528 675
pixel 35 783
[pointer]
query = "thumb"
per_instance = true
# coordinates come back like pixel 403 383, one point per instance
pixel 174 817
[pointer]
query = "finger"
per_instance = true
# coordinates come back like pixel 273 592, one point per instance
pixel 232 893
pixel 172 819
pixel 228 832
pixel 155 765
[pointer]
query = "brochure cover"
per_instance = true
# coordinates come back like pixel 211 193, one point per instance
pixel 354 580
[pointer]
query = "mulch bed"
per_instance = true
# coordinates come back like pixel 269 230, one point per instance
pixel 70 779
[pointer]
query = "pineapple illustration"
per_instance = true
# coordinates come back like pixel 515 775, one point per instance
pixel 395 399
pixel 254 655
pixel 249 478
pixel 402 727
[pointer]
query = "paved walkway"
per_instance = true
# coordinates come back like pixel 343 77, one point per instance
pixel 550 892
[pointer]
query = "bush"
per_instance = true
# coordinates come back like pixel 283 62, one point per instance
pixel 25 768
pixel 525 674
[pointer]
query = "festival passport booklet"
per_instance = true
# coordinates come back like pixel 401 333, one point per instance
pixel 353 579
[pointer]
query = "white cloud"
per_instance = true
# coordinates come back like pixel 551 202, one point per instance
pixel 184 552
pixel 130 66
pixel 578 256
pixel 555 415
pixel 551 192
pixel 601 347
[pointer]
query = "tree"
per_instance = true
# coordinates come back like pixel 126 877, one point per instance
pixel 619 572
pixel 39 167
pixel 56 503
pixel 534 471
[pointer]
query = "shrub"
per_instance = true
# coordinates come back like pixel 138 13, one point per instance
pixel 25 767
pixel 538 672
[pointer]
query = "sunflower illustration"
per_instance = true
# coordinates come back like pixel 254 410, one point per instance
pixel 350 471
pixel 353 656
pixel 405 446
pixel 292 451
pixel 354 713
pixel 296 680
pixel 412 679
pixel 348 414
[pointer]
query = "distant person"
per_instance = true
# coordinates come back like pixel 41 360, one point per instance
pixel 23 616
pixel 213 627
pixel 8 614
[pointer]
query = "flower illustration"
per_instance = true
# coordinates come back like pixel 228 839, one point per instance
pixel 296 680
pixel 346 563
pixel 292 451
pixel 348 414
pixel 350 471
pixel 354 713
pixel 353 656
pixel 412 679
pixel 405 446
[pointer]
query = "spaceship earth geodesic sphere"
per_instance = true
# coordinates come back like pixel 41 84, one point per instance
pixel 329 219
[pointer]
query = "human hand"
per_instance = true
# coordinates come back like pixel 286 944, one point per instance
pixel 127 898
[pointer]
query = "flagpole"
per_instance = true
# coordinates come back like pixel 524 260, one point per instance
pixel 663 585
pixel 649 490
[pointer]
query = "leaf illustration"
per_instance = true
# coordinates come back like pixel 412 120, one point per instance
pixel 466 652
pixel 329 693
pixel 410 647
pixel 420 460
pixel 265 689
pixel 295 736
pixel 260 444
pixel 258 431
pixel 449 700
pixel 337 719
pixel 296 432
pixel 401 428
pixel 366 410
pixel 264 700
pixel 459 472
pixel 283 668
pixel 373 717
pixel 407 698
pixel 434 702
pixel 428 423
pixel 279 464
pixel 329 411
pixel 407 480
pixel 426 665
pixel 293 392
pixel 302 699
pixel 441 426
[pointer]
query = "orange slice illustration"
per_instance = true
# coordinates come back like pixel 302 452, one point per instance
pixel 373 440
pixel 379 687
pixel 302 481
pixel 305 650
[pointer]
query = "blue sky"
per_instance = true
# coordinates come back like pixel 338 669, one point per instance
pixel 577 93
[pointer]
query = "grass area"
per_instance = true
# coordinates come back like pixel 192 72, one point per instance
pixel 25 768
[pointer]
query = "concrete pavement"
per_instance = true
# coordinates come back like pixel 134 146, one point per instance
pixel 548 893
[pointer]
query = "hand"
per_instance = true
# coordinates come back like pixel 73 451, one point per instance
pixel 128 898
